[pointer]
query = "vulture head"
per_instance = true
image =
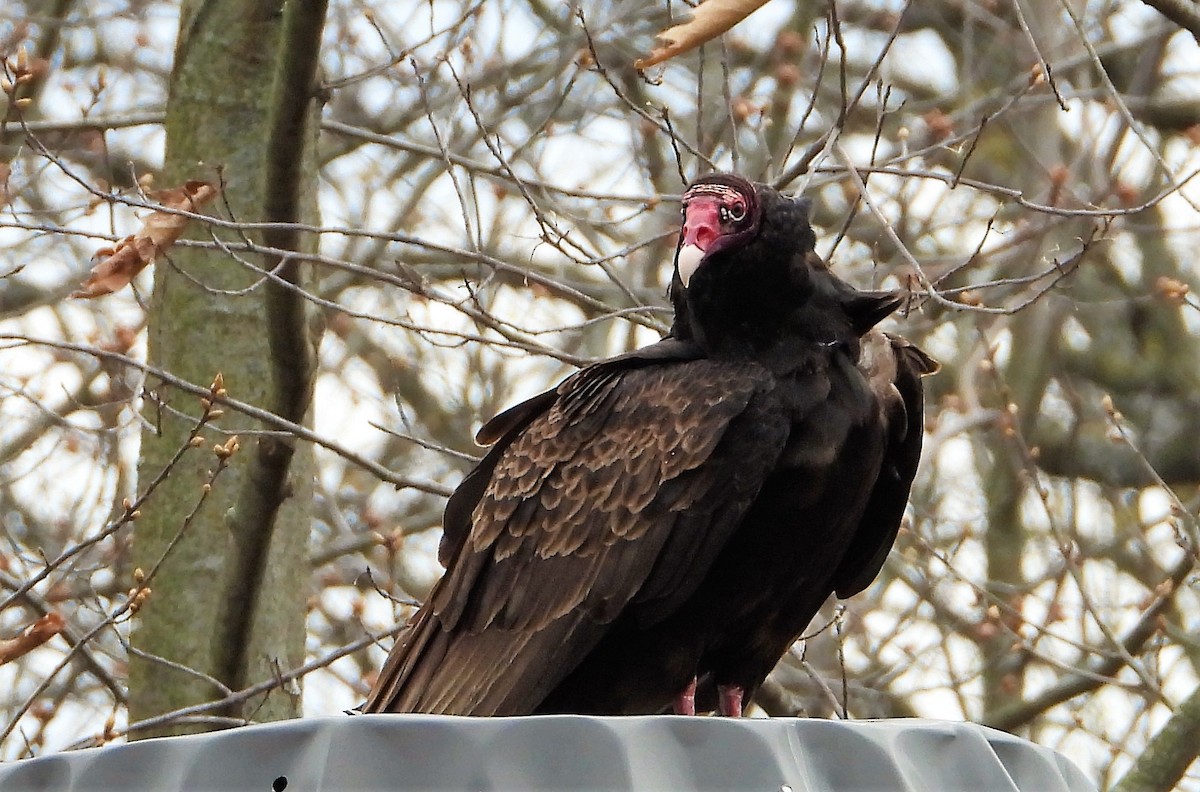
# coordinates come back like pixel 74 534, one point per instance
pixel 747 275
pixel 720 212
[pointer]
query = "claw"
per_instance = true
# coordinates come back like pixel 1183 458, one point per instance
pixel 685 702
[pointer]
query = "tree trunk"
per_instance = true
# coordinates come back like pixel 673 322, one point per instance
pixel 228 600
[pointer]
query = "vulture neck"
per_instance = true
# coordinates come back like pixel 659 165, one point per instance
pixel 740 315
pixel 776 307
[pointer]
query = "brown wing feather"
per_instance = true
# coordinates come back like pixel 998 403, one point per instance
pixel 567 531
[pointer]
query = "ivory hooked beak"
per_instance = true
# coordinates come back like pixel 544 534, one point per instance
pixel 687 262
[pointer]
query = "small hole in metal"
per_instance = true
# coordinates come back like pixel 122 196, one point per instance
pixel 279 784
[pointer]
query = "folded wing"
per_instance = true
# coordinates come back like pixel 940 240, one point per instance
pixel 566 522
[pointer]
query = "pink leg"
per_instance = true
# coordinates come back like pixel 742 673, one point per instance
pixel 685 702
pixel 731 700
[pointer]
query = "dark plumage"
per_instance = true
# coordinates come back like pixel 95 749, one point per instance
pixel 682 510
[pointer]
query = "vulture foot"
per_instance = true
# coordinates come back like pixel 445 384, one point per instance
pixel 685 702
pixel 730 700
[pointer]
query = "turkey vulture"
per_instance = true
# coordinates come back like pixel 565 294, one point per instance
pixel 681 511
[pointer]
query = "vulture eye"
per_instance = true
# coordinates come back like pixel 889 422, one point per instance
pixel 736 212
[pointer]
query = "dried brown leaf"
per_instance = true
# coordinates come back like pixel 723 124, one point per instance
pixel 113 268
pixel 31 637
pixel 709 20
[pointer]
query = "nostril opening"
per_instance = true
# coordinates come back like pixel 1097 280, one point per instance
pixel 701 236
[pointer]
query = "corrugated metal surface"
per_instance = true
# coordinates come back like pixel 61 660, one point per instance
pixel 426 752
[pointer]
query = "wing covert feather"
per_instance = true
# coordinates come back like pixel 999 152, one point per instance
pixel 602 467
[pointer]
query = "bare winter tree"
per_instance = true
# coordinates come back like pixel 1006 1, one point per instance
pixel 491 203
